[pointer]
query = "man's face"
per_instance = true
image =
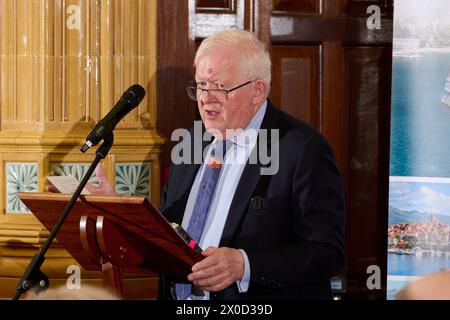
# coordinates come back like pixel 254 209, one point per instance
pixel 220 70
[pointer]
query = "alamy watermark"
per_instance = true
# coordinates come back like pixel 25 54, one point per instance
pixel 73 21
pixel 374 280
pixel 74 279
pixel 374 21
pixel 186 153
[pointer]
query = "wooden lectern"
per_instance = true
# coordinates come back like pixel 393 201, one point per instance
pixel 115 234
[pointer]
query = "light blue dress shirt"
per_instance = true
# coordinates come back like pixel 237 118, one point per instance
pixel 235 160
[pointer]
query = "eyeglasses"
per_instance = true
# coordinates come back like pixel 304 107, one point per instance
pixel 195 93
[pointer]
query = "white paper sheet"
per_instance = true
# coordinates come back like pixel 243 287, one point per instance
pixel 66 184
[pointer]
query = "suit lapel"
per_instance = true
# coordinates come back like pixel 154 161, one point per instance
pixel 249 179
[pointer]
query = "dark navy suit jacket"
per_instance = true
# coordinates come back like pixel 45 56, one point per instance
pixel 293 233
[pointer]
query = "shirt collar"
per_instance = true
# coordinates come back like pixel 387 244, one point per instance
pixel 248 137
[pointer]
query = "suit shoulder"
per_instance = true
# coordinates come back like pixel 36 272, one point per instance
pixel 298 130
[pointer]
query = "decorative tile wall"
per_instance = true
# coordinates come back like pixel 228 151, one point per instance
pixel 133 179
pixel 76 170
pixel 20 177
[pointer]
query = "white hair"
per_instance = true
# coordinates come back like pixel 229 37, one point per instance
pixel 253 57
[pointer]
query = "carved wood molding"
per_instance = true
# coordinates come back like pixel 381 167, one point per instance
pixel 64 65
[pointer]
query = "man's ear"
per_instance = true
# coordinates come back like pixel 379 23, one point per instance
pixel 259 92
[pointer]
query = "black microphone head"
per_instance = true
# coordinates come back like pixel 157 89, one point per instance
pixel 129 100
pixel 134 94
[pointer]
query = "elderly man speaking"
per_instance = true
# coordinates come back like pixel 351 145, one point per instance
pixel 277 235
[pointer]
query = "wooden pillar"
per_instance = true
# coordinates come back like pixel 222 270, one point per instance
pixel 63 65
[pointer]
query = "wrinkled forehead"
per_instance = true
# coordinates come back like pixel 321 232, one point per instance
pixel 216 65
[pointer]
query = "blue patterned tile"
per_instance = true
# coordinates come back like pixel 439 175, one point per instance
pixel 20 177
pixel 133 179
pixel 76 170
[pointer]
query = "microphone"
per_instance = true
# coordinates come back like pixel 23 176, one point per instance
pixel 129 100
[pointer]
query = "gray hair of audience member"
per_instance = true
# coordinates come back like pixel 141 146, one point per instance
pixel 435 286
pixel 254 59
pixel 86 292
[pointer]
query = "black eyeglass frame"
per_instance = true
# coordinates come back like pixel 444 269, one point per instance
pixel 203 90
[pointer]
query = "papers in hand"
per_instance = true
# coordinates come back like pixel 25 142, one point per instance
pixel 66 184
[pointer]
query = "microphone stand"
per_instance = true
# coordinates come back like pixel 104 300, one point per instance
pixel 33 276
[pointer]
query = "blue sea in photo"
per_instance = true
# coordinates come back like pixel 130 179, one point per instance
pixel 420 147
pixel 425 206
pixel 420 121
pixel 412 265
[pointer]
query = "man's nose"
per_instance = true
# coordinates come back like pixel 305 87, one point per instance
pixel 207 97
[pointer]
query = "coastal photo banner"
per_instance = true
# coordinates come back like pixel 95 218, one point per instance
pixel 419 188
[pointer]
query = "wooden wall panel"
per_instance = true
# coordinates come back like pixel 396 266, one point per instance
pixel 62 60
pixel 132 58
pixel 216 6
pixel 367 93
pixel 174 70
pixel 295 81
pixel 296 6
pixel 208 17
pixel 74 80
pixel 19 66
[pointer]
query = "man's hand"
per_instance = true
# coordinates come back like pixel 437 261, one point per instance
pixel 221 267
pixel 105 187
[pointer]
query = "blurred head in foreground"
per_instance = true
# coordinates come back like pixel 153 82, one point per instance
pixel 63 293
pixel 435 286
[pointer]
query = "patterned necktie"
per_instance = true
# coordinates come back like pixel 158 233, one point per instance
pixel 202 204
